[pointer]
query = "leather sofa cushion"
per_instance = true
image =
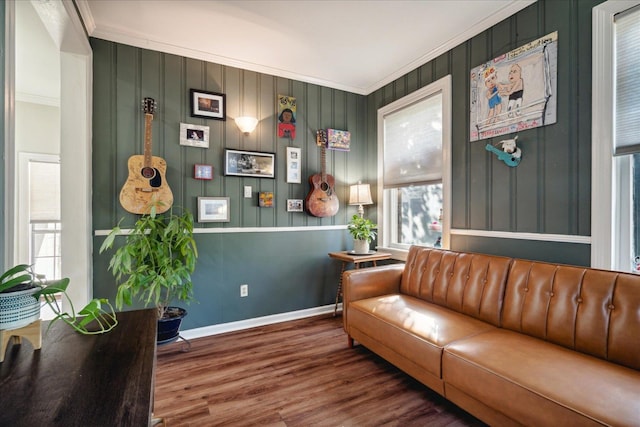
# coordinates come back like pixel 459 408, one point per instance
pixel 472 284
pixel 415 329
pixel 587 310
pixel 539 383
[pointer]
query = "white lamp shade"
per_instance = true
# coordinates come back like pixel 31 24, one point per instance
pixel 360 194
pixel 246 124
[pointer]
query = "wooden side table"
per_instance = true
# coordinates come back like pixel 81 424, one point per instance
pixel 349 257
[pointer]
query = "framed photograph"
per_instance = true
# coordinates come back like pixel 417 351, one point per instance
pixel 294 165
pixel 249 163
pixel 208 105
pixel 194 135
pixel 213 209
pixel 294 205
pixel 203 172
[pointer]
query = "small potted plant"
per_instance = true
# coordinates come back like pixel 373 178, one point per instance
pixel 20 292
pixel 155 265
pixel 363 232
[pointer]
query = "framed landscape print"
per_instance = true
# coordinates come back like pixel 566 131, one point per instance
pixel 213 209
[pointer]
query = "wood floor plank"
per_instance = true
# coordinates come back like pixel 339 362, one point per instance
pixel 297 373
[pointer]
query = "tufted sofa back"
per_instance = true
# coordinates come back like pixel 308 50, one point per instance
pixel 472 284
pixel 596 312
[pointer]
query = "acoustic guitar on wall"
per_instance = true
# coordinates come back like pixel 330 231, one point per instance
pixel 322 200
pixel 146 185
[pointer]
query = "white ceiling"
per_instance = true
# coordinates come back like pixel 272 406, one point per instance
pixel 357 46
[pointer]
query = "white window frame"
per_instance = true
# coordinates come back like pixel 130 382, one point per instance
pixel 442 86
pixel 605 194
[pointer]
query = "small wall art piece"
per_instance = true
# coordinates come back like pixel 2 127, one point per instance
pixel 266 199
pixel 287 112
pixel 213 209
pixel 294 174
pixel 208 105
pixel 203 172
pixel 249 163
pixel 338 139
pixel 516 90
pixel 194 135
pixel 294 205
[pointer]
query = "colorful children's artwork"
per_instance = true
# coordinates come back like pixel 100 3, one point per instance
pixel 338 139
pixel 515 91
pixel 286 117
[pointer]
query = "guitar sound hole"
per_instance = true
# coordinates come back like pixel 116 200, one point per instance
pixel 148 173
pixel 324 186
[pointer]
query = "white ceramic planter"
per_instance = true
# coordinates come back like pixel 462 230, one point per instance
pixel 18 309
pixel 360 246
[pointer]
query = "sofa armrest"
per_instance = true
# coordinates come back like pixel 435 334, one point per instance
pixel 369 282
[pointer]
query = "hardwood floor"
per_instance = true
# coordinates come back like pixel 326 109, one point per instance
pixel 298 373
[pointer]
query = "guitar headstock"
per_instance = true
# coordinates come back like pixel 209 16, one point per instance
pixel 321 138
pixel 149 106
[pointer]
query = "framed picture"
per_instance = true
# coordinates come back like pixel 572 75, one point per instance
pixel 294 205
pixel 266 199
pixel 249 163
pixel 213 209
pixel 208 105
pixel 194 135
pixel 203 172
pixel 294 165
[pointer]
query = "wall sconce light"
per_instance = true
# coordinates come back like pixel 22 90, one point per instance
pixel 246 124
pixel 360 194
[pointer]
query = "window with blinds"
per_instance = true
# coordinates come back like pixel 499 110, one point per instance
pixel 627 80
pixel 414 140
pixel 627 139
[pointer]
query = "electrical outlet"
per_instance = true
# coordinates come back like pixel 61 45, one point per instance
pixel 244 290
pixel 247 191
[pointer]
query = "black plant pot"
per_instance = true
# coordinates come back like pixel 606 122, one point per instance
pixel 169 325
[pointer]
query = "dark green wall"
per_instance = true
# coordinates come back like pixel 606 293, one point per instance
pixel 550 191
pixel 286 271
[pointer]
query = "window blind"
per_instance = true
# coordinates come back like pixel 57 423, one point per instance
pixel 627 72
pixel 413 144
pixel 44 191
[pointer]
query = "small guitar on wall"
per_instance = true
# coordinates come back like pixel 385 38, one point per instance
pixel 322 200
pixel 146 185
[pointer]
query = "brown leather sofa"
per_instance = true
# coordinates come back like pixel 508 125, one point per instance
pixel 511 341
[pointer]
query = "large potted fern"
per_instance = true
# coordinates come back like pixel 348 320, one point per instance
pixel 154 265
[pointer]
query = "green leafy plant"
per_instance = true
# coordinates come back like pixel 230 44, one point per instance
pixel 362 229
pixel 98 311
pixel 156 261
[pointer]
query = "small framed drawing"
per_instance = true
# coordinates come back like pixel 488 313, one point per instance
pixel 194 135
pixel 294 205
pixel 249 163
pixel 213 209
pixel 208 105
pixel 293 165
pixel 203 171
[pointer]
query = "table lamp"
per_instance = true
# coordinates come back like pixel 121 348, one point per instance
pixel 360 194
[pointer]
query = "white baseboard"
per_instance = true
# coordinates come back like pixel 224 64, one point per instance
pixel 255 322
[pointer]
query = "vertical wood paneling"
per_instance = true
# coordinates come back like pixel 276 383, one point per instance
pixel 478 162
pixel 549 192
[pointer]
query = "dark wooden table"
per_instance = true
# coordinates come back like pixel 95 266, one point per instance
pixel 78 380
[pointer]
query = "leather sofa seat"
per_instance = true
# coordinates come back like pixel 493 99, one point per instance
pixel 546 384
pixel 412 327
